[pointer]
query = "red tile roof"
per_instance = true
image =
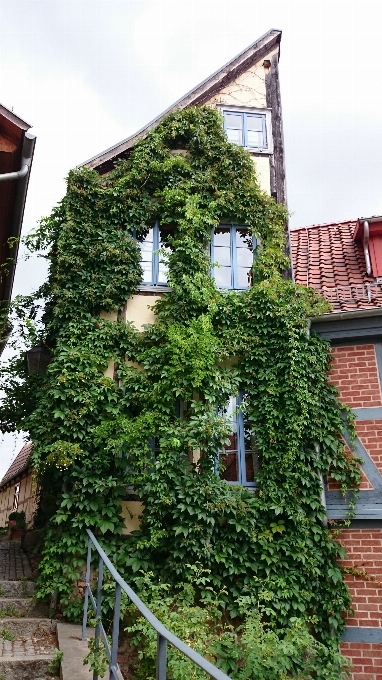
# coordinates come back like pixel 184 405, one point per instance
pixel 20 464
pixel 326 258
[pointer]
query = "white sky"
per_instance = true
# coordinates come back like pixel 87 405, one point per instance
pixel 88 73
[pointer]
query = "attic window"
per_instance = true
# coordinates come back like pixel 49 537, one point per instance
pixel 248 128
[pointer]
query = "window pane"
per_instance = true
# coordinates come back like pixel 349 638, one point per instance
pixel 222 256
pixel 146 250
pixel 222 237
pixel 251 453
pixel 147 272
pixel 244 257
pixel 243 277
pixel 150 236
pixel 235 136
pixel 230 458
pixel 230 462
pixel 233 120
pixel 162 273
pixel 222 276
pixel 255 138
pixel 255 123
pixel 243 238
pixel 251 465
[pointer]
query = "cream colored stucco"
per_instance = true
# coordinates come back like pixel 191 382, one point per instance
pixel 131 511
pixel 109 373
pixel 248 89
pixel 263 172
pixel 134 364
pixel 137 310
pixel 109 316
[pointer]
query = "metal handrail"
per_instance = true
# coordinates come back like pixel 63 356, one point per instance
pixel 164 635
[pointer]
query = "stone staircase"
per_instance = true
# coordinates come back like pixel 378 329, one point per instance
pixel 28 640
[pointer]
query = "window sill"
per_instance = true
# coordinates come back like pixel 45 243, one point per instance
pixel 153 289
pixel 258 152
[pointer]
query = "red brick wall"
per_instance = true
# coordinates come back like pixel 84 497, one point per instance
pixel 355 373
pixel 364 552
pixel 366 660
pixel 370 434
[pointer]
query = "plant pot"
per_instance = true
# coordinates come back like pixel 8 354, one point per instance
pixel 17 533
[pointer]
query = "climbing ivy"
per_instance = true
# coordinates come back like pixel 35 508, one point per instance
pixel 92 434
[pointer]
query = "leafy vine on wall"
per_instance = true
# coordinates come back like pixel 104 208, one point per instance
pixel 91 434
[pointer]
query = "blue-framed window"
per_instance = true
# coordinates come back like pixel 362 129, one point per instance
pixel 232 250
pixel 246 129
pixel 154 268
pixel 240 458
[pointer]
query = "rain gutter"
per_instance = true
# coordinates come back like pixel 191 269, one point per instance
pixel 22 177
pixel 342 316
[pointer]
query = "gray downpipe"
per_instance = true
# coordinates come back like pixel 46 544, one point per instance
pixel 15 175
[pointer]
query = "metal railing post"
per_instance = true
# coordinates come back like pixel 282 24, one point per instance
pixel 161 658
pixel 98 609
pixel 114 644
pixel 87 586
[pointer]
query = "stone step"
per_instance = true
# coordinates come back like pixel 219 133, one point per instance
pixel 22 606
pixel 26 668
pixel 27 647
pixel 17 589
pixel 31 627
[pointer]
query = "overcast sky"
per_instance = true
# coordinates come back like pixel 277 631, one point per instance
pixel 88 73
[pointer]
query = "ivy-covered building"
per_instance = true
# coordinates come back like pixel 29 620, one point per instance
pixel 186 415
pixel 246 91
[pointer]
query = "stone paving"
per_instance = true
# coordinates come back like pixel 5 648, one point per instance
pixel 41 641
pixel 27 645
pixel 14 564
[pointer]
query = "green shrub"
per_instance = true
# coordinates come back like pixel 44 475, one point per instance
pixel 245 649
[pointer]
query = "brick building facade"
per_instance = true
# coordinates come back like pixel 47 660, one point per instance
pixel 333 260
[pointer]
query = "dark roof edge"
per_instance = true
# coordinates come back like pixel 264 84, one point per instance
pixel 4 482
pixel 27 451
pixel 342 316
pixel 13 118
pixel 194 96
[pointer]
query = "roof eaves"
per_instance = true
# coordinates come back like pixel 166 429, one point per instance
pixel 9 115
pixel 195 96
pixel 324 224
pixel 18 466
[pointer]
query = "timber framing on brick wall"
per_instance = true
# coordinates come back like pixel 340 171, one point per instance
pixel 357 372
pixel 327 258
